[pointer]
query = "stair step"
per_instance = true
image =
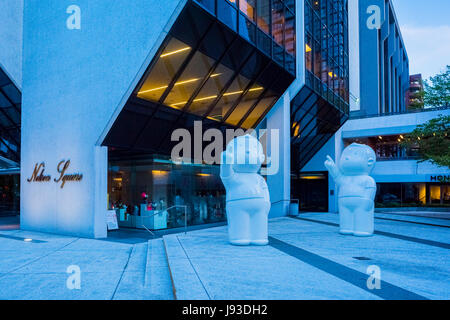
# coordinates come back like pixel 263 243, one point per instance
pixel 157 280
pixel 186 283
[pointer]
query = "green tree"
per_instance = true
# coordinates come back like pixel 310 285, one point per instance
pixel 432 139
pixel 417 100
pixel 437 90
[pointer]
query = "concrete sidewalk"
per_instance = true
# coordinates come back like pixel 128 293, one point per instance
pixel 308 259
pixel 109 270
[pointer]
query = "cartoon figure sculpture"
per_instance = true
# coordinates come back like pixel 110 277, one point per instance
pixel 247 198
pixel 356 189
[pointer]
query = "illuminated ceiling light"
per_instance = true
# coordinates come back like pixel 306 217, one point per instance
pixel 175 52
pixel 401 136
pixel 151 90
pixel 159 172
pixel 165 87
pixel 203 174
pixel 232 93
pixel 256 89
pixel 195 100
pixel 308 48
pixel 296 131
pixel 380 137
pixel 186 81
pixel 28 240
pixel 118 179
pixel 319 177
pixel 212 118
pixel 205 98
pixel 215 75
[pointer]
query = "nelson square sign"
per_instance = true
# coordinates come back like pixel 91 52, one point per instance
pixel 62 168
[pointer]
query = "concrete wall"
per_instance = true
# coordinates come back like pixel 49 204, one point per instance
pixel 406 171
pixel 353 50
pixel 75 82
pixel 279 118
pixel 11 16
pixel 372 59
pixel 388 125
pixel 384 171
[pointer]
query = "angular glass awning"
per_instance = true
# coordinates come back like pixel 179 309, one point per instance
pixel 314 121
pixel 10 113
pixel 203 71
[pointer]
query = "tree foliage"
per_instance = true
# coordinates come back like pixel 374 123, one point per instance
pixel 432 140
pixel 437 90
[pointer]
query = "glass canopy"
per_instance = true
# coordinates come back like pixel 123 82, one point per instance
pixel 203 71
pixel 10 111
pixel 191 81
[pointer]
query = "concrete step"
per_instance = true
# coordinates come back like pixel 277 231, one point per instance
pixel 186 283
pixel 157 280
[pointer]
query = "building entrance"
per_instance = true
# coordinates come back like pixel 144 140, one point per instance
pixel 312 191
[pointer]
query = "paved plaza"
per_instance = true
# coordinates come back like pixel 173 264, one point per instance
pixel 306 259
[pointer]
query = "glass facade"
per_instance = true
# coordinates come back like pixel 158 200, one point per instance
pixel 387 147
pixel 145 186
pixel 9 194
pixel 322 105
pixel 412 195
pixel 10 113
pixel 212 68
pixel 204 72
pixel 267 24
pixel 326 50
pixel 10 122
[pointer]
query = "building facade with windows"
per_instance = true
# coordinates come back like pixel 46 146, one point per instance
pixel 379 118
pixel 106 84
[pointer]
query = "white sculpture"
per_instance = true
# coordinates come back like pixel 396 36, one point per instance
pixel 247 199
pixel 356 189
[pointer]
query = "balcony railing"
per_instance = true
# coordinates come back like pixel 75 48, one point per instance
pixel 353 117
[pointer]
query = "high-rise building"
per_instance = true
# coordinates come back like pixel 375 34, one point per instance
pixel 379 117
pixel 106 86
pixel 414 96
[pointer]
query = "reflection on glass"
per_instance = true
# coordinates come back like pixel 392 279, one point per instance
pixel 195 72
pixel 229 98
pixel 211 90
pixel 277 21
pixel 259 110
pixel 290 33
pixel 263 15
pixel 207 88
pixel 164 70
pixel 244 106
pixel 248 7
pixel 141 188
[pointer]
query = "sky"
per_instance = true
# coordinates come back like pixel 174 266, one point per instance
pixel 425 26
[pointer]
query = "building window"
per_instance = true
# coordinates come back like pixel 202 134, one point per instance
pixel 326 49
pixel 391 195
pixel 387 147
pixel 144 187
pixel 268 24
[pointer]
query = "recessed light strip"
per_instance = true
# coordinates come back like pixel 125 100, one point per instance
pixel 174 52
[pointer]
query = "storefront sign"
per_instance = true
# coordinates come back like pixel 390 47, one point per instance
pixel 62 168
pixel 38 174
pixel 440 178
pixel 111 220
